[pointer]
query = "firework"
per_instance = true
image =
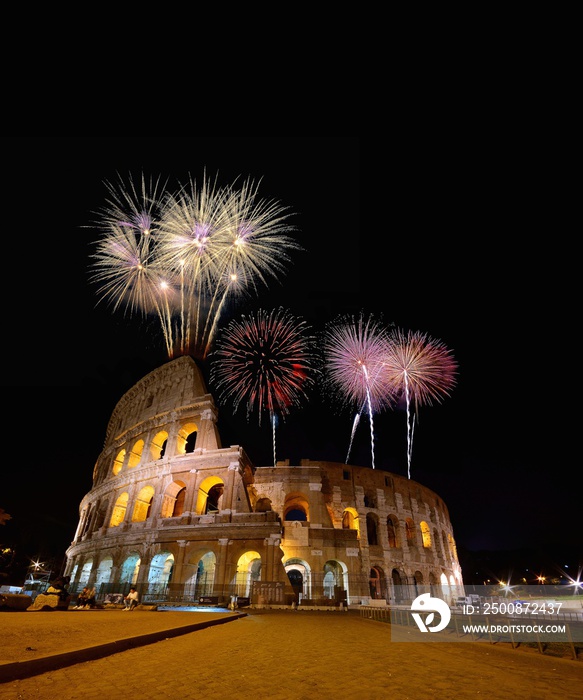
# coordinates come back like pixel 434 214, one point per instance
pixel 354 351
pixel 252 247
pixel 420 369
pixel 264 362
pixel 130 207
pixel 182 255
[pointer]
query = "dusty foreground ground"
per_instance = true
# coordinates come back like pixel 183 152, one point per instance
pixel 274 655
pixel 30 635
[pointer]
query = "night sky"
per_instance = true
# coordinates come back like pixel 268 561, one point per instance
pixel 439 235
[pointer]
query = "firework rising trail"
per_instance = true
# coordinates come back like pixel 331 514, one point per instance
pixel 265 362
pixel 353 432
pixel 422 370
pixel 354 351
pixel 182 255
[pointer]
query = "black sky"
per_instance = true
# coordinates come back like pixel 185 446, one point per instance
pixel 440 235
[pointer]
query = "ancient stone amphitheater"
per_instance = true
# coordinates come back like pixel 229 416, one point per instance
pixel 188 521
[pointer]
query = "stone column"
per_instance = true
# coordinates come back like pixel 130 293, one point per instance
pixel 177 573
pixel 222 570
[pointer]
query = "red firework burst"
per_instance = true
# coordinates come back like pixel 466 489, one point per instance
pixel 265 362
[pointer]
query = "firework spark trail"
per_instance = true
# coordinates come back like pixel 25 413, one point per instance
pixel 265 362
pixel 354 351
pixel 369 403
pixel 353 432
pixel 421 369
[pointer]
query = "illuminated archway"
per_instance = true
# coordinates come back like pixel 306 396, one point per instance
pixel 103 573
pixel 160 573
pixel 158 446
pixel 143 504
pixel 248 571
pixel 186 439
pixel 205 575
pixel 173 501
pixel 136 454
pixel 425 534
pixel 119 510
pixel 130 569
pixel 350 520
pixel 118 462
pixel 85 573
pixel 209 495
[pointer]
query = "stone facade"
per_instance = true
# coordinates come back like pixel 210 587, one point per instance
pixel 185 519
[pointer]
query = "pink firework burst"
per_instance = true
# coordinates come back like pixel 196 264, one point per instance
pixel 265 362
pixel 354 351
pixel 421 370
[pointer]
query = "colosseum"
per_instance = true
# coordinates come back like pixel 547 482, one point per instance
pixel 189 522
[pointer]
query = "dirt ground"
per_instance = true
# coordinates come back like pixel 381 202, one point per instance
pixel 32 634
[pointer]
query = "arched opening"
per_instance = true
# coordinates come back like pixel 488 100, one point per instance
pixel 333 583
pixel 186 439
pixel 425 534
pixel 248 571
pixel 350 520
pixel 204 495
pixel 397 586
pixel 205 575
pixel 119 510
pixel 392 532
pixel 418 583
pixel 263 505
pixel 129 570
pixel 103 573
pixel 158 447
pixel 410 531
pixel 136 454
pixel 299 575
pixel 143 504
pixel 296 507
pixel 297 514
pixel 214 496
pixel 85 573
pixel 118 462
pixel 173 501
pixel 160 574
pixel 376 583
pixel 371 529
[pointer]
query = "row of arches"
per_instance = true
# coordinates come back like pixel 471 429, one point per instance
pixel 209 495
pixel 393 532
pixel 138 508
pixel 155 581
pixel 131 457
pixel 398 587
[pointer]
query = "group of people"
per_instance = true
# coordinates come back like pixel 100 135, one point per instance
pixel 57 595
pixel 86 599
